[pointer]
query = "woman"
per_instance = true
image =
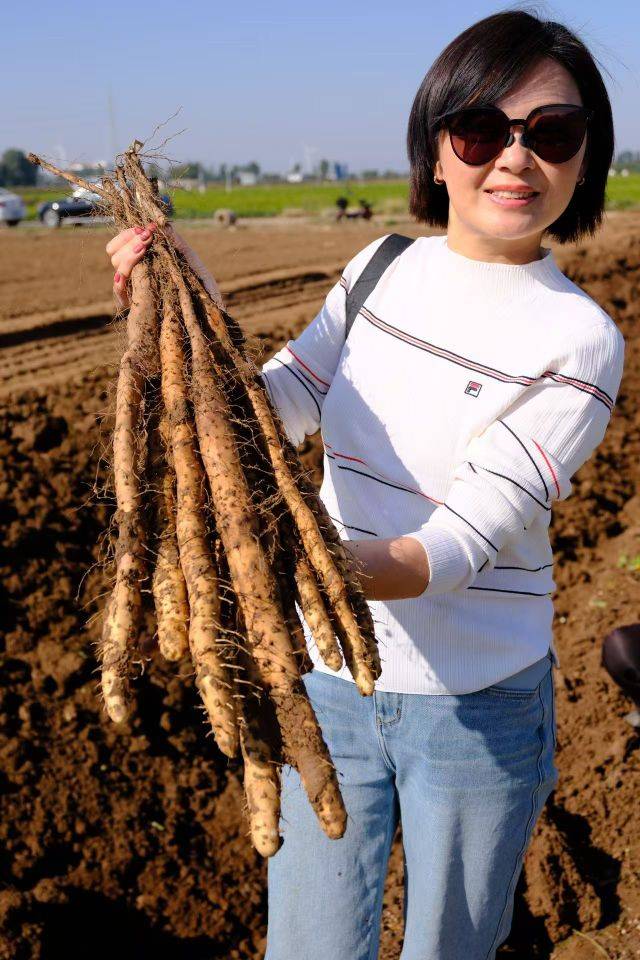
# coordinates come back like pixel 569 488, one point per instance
pixel 475 382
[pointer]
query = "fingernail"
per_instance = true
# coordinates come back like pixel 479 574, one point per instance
pixel 117 278
pixel 152 226
pixel 145 235
pixel 138 247
pixel 138 229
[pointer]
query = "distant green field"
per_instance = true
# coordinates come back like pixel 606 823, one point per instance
pixel 386 196
pixel 623 192
pixel 271 201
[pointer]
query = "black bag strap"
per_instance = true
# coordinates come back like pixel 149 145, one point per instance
pixel 386 253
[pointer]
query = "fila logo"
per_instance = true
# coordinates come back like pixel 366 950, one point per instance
pixel 473 388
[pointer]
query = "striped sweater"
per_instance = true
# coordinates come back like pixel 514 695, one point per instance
pixel 465 398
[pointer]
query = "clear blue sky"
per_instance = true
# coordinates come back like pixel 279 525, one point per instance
pixel 258 81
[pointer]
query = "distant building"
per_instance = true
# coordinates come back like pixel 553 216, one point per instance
pixel 247 178
pixel 85 168
pixel 337 171
pixel 326 170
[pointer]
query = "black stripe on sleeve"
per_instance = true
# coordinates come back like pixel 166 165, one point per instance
pixel 300 381
pixel 584 383
pixel 546 490
pixel 515 483
pixel 350 526
pixel 526 593
pixel 486 539
pixel 377 479
pixel 322 393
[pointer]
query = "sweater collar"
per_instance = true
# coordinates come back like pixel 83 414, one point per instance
pixel 512 279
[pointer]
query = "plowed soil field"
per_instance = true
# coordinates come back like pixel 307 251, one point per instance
pixel 129 841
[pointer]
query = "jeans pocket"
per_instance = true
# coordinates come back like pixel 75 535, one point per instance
pixel 554 716
pixel 507 693
pixel 526 682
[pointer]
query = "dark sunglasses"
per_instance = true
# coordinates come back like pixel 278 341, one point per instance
pixel 479 134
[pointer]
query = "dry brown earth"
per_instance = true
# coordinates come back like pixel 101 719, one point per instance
pixel 130 842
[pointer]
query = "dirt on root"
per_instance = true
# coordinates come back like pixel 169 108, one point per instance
pixel 130 841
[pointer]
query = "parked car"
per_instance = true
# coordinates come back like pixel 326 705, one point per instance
pixel 81 205
pixel 12 208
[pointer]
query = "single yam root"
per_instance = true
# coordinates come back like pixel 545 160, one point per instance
pixel 262 790
pixel 170 596
pixel 122 623
pixel 261 746
pixel 315 613
pixel 201 576
pixel 209 488
pixel 167 581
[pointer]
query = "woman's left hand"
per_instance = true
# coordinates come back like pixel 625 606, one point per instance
pixel 396 568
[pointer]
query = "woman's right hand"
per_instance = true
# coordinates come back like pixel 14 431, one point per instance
pixel 129 247
pixel 126 249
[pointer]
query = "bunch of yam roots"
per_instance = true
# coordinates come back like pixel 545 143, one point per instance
pixel 216 517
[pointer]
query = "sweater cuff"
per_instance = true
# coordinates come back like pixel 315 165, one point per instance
pixel 449 563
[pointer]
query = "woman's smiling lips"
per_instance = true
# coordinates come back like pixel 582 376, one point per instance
pixel 512 201
pixel 504 195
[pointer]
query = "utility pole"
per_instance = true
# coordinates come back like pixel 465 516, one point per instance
pixel 113 138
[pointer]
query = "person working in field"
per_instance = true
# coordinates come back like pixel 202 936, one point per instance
pixel 456 403
pixel 364 210
pixel 621 660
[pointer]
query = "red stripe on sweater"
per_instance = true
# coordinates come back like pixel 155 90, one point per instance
pixel 344 456
pixel 303 364
pixel 355 459
pixel 546 460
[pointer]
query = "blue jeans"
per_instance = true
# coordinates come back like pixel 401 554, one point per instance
pixel 467 775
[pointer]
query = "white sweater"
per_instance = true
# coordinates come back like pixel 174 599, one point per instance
pixel 466 397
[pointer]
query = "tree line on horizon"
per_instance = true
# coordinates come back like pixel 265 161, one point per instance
pixel 16 171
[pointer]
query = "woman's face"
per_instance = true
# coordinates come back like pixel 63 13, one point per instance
pixel 472 209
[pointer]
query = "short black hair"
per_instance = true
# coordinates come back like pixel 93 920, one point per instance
pixel 483 64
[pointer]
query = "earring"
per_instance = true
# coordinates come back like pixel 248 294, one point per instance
pixel 435 180
pixel 580 181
